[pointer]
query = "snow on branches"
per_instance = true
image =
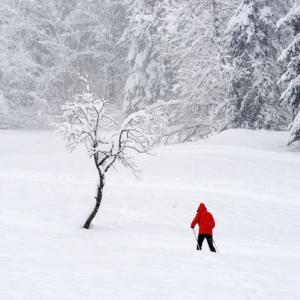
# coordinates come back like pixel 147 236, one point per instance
pixel 253 45
pixel 294 130
pixel 171 122
pixel 88 120
pixel 290 56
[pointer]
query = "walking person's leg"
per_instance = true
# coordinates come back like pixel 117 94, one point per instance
pixel 210 242
pixel 200 241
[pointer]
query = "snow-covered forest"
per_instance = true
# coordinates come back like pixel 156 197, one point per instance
pixel 196 66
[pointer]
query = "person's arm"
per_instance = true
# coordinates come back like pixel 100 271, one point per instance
pixel 195 221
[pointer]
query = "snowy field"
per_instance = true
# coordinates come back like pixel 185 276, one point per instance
pixel 141 245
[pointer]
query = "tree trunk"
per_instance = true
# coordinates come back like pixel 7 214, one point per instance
pixel 98 202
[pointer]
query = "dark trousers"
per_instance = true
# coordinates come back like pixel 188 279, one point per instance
pixel 209 239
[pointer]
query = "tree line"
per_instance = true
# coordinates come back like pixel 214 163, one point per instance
pixel 195 66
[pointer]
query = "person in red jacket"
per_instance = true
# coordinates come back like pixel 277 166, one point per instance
pixel 206 223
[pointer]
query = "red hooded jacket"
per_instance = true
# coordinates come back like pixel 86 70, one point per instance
pixel 204 219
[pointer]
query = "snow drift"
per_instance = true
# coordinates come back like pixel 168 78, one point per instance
pixel 141 245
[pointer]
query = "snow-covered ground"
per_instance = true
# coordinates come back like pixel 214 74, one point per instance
pixel 141 245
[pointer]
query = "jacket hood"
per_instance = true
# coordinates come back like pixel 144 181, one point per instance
pixel 202 208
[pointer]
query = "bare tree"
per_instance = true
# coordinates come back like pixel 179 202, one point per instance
pixel 87 120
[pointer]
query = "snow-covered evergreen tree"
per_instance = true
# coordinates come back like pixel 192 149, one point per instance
pixel 291 57
pixel 294 130
pixel 3 112
pixel 253 45
pixel 195 41
pixel 148 79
